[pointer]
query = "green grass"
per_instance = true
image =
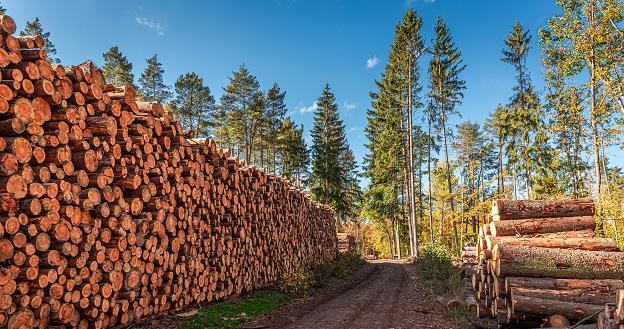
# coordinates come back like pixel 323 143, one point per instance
pixel 231 314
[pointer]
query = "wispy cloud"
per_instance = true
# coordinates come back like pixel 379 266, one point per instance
pixel 410 2
pixel 307 109
pixel 349 106
pixel 151 24
pixel 353 129
pixel 372 62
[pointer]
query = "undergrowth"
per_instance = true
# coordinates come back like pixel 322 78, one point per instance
pixel 233 313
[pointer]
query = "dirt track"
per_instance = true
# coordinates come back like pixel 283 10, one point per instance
pixel 390 297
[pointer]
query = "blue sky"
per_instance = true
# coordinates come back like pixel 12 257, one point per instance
pixel 299 44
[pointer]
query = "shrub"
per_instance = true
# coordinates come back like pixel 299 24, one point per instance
pixel 437 269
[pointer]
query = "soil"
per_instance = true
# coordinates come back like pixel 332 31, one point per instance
pixel 389 295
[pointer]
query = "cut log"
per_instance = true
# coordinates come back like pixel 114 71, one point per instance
pixel 512 260
pixel 522 209
pixel 599 244
pixel 523 227
pixel 547 307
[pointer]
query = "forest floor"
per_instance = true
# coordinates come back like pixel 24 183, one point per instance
pixel 389 295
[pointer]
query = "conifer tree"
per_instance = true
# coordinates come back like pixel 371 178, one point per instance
pixel 2 10
pixel 295 155
pixel 34 27
pixel 274 116
pixel 328 150
pixel 194 105
pixel 243 108
pixel 152 87
pixel 117 69
pixel 446 92
pixel 524 101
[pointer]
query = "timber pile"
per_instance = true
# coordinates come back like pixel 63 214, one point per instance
pixel 108 214
pixel 346 242
pixel 539 263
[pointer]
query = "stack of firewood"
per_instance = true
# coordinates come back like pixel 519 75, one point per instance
pixel 539 262
pixel 109 214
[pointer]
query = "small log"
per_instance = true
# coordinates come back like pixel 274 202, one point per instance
pixel 522 227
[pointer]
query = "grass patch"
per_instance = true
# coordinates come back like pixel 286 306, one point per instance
pixel 233 313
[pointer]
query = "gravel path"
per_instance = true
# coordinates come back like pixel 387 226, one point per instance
pixel 392 296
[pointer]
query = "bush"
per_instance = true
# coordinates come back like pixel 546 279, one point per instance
pixel 437 269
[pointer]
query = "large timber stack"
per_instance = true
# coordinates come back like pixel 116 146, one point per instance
pixel 540 263
pixel 109 214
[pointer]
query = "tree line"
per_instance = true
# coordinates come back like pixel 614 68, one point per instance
pixel 432 176
pixel 253 125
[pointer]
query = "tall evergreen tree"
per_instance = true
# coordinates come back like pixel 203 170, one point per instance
pixel 117 69
pixel 152 87
pixel 34 27
pixel 295 155
pixel 328 149
pixel 193 104
pixel 274 116
pixel 524 101
pixel 446 91
pixel 243 107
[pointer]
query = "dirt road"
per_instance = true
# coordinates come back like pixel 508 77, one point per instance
pixel 390 297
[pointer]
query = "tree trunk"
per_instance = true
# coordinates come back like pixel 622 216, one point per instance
pixel 590 285
pixel 541 225
pixel 597 244
pixel 522 209
pixel 542 306
pixel 557 263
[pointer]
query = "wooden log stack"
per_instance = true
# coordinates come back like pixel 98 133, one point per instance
pixel 540 264
pixel 109 214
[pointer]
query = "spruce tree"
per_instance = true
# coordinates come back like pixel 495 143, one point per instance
pixel 152 87
pixel 328 147
pixel 243 108
pixel 446 93
pixel 117 69
pixel 193 104
pixel 34 28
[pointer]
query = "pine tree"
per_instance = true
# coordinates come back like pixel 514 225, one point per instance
pixel 274 116
pixel 295 155
pixel 524 101
pixel 446 91
pixel 242 107
pixel 193 105
pixel 328 149
pixel 152 88
pixel 34 28
pixel 117 69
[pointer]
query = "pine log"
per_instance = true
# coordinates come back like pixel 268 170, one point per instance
pixel 569 295
pixel 546 307
pixel 603 244
pixel 541 225
pixel 603 286
pixel 510 260
pixel 523 209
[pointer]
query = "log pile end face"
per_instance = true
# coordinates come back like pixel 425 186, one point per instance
pixel 109 214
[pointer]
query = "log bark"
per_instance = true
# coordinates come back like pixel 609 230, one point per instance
pixel 523 227
pixel 546 307
pixel 512 260
pixel 596 244
pixel 523 209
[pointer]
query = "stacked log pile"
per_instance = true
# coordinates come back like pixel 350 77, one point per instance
pixel 109 214
pixel 539 263
pixel 346 242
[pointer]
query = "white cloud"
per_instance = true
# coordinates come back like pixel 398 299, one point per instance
pixel 349 106
pixel 307 109
pixel 429 1
pixel 372 62
pixel 151 24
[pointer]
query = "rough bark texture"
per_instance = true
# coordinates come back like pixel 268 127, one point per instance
pixel 596 244
pixel 541 225
pixel 521 209
pixel 557 263
pixel 542 306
